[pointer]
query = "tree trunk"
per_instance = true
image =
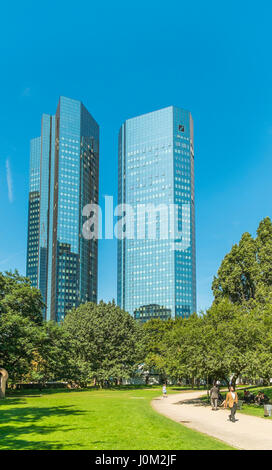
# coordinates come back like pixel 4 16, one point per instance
pixel 233 380
pixel 226 380
pixel 3 382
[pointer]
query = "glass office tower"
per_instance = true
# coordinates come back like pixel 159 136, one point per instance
pixel 64 165
pixel 156 276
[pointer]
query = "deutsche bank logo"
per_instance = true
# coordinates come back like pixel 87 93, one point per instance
pixel 181 128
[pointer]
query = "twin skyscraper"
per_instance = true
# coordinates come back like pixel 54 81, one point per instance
pixel 156 274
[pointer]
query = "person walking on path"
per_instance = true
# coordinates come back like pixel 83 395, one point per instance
pixel 214 395
pixel 164 391
pixel 231 400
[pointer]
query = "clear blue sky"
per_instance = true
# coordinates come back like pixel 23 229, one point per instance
pixel 126 58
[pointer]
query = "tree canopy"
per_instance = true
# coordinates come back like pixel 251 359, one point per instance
pixel 18 296
pixel 104 342
pixel 245 273
pixel 234 336
pixel 24 337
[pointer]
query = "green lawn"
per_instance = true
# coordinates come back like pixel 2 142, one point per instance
pixel 256 410
pixel 93 419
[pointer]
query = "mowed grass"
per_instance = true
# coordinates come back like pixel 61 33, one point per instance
pixel 93 419
pixel 252 409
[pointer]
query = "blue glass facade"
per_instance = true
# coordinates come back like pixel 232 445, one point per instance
pixel 66 270
pixel 156 167
pixel 33 211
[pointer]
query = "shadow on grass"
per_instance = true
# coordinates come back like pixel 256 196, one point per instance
pixel 10 438
pixel 189 389
pixel 195 402
pixel 21 421
pixel 53 391
pixel 32 414
pixel 11 401
pixel 45 391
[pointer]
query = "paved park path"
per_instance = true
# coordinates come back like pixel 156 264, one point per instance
pixel 249 432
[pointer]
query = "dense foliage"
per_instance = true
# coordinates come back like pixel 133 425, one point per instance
pixel 245 274
pixel 105 345
pixel 20 323
pixel 234 337
pixel 99 343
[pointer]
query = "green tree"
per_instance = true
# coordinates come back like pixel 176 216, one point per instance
pixel 104 343
pixel 186 349
pixel 20 323
pixel 237 339
pixel 260 365
pixel 245 280
pixel 227 341
pixel 18 296
pixel 239 272
pixel 19 338
pixel 154 332
pixel 245 274
pixel 50 361
pixel 264 253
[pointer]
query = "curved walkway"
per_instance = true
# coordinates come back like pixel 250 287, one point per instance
pixel 249 432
